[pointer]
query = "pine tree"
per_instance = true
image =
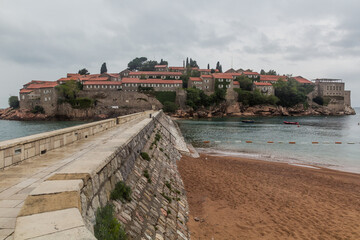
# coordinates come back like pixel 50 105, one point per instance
pixel 103 68
pixel 218 65
pixel 187 62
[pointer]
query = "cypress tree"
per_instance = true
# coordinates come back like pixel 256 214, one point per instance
pixel 208 66
pixel 103 68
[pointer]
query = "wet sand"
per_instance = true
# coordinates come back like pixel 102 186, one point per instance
pixel 238 198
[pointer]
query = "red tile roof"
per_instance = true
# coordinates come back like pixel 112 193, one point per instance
pixel 272 78
pixel 69 75
pixel 160 66
pixel 196 79
pixel 262 84
pixel 236 83
pixel 102 83
pixel 42 85
pixel 96 79
pixel 154 73
pixel 223 75
pixel 250 73
pixel 25 90
pixel 300 79
pixel 234 74
pixel 35 82
pixel 204 70
pixel 136 80
pixel 177 68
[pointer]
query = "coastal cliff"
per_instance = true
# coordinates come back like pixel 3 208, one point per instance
pixel 239 110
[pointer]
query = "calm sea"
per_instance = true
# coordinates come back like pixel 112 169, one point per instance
pixel 16 129
pixel 228 136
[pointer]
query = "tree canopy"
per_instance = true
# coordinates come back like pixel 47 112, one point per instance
pixel 14 102
pixel 245 82
pixel 83 71
pixel 143 64
pixel 136 63
pixel 197 98
pixel 291 93
pixel 270 72
pixel 103 68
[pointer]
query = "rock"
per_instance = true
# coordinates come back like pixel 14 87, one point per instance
pixel 196 219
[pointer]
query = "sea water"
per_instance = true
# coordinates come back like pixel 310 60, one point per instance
pixel 325 141
pixel 15 129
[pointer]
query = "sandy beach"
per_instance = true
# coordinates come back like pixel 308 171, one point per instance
pixel 238 198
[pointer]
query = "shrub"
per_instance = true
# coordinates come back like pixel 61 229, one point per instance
pixel 81 103
pixel 107 226
pixel 145 156
pixel 38 109
pixel 14 102
pixel 121 192
pixel 165 96
pixel 147 175
pixel 319 100
pixel 170 107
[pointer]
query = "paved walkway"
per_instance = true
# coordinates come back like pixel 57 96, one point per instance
pixel 16 182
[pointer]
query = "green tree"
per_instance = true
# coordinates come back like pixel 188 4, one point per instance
pixel 292 92
pixel 262 72
pixel 187 62
pixel 68 90
pixel 136 63
pixel 148 65
pixel 170 107
pixel 208 66
pixel 14 102
pixel 163 62
pixel 103 68
pixel 245 82
pixel 83 71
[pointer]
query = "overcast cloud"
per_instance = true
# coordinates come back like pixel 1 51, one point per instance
pixel 43 40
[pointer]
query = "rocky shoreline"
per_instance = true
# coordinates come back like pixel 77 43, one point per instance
pixel 238 110
pixel 223 110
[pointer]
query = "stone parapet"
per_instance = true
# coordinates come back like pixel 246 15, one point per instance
pixel 17 150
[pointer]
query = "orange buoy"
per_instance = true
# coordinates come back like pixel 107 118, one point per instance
pixel 315 142
pixel 338 142
pixel 270 142
pixel 292 142
pixel 248 141
pixel 206 141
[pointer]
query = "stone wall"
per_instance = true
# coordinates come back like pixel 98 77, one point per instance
pixel 70 198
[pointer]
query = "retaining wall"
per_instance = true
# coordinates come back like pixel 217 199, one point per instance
pixel 17 150
pixel 65 204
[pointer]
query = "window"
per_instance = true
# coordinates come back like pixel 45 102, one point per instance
pixel 220 85
pixel 45 99
pixel 220 79
pixel 23 96
pixel 228 80
pixel 227 86
pixel 206 81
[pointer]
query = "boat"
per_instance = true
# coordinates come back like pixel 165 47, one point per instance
pixel 293 123
pixel 248 121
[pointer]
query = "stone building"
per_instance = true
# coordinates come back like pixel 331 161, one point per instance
pixel 155 75
pixel 302 80
pixel 161 68
pixel 204 82
pixel 177 69
pixel 39 93
pixel 271 78
pixel 264 87
pixel 334 91
pixel 102 86
pixel 133 84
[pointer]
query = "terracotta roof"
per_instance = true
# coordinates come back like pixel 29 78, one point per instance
pixel 114 74
pixel 196 79
pixel 42 85
pixel 102 83
pixel 234 74
pixel 223 75
pixel 154 73
pixel 206 76
pixel 35 82
pixel 25 90
pixel 300 79
pixel 262 84
pixel 160 66
pixel 272 78
pixel 136 80
pixel 73 75
pixel 236 83
pixel 204 70
pixel 250 73
pixel 177 68
pixel 96 79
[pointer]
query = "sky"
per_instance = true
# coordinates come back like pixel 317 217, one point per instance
pixel 44 40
